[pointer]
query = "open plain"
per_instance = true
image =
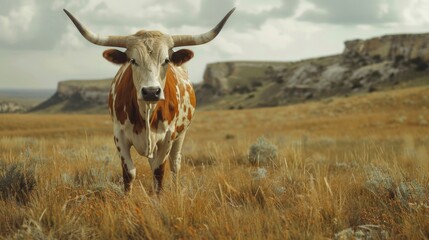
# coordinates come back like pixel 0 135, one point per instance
pixel 337 168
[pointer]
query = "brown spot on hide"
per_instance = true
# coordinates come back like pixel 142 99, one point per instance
pixel 189 114
pixel 128 178
pixel 159 113
pixel 126 101
pixel 167 109
pixel 180 128
pixel 171 106
pixel 173 136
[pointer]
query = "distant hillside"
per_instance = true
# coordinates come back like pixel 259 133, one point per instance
pixel 83 96
pixel 364 66
pixel 20 100
pixel 393 61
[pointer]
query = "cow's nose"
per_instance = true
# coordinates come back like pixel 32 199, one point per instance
pixel 151 93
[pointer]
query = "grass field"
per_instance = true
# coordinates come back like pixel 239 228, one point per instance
pixel 340 168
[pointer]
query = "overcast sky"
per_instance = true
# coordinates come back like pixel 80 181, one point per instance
pixel 39 45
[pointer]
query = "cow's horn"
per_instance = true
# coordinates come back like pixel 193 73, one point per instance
pixel 114 41
pixel 188 40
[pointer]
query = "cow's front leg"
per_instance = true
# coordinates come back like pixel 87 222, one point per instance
pixel 157 163
pixel 175 157
pixel 158 175
pixel 128 169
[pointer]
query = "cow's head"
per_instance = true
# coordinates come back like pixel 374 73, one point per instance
pixel 149 53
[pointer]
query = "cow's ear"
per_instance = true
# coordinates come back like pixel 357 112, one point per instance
pixel 182 56
pixel 115 56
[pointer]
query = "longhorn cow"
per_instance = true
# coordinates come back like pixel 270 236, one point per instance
pixel 151 100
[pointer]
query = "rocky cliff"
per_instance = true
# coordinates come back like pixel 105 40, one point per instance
pixel 78 96
pixel 403 47
pixel 364 66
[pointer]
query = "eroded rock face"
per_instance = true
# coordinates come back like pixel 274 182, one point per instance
pixel 216 75
pixel 306 74
pixel 75 96
pixel 333 74
pixel 87 92
pixel 364 66
pixel 391 47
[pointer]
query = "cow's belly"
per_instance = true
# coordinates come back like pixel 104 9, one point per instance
pixel 160 139
pixel 124 132
pixel 140 143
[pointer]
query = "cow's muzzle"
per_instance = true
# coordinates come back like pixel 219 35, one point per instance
pixel 151 94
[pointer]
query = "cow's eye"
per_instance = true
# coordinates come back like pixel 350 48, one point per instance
pixel 133 62
pixel 166 61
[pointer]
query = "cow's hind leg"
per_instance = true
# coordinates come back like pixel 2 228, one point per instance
pixel 176 157
pixel 128 169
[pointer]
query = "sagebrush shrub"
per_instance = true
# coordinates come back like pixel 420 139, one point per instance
pixel 16 181
pixel 379 182
pixel 259 174
pixel 262 151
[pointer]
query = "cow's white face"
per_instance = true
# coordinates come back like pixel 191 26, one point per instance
pixel 149 59
pixel 149 55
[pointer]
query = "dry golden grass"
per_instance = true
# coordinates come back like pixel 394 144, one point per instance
pixel 340 163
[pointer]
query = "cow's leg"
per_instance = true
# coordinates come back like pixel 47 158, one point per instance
pixel 157 163
pixel 158 175
pixel 128 169
pixel 176 157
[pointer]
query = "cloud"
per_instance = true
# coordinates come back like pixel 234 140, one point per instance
pixel 416 12
pixel 276 39
pixel 16 22
pixel 257 6
pixel 26 24
pixel 347 12
pixel 174 14
pixel 255 14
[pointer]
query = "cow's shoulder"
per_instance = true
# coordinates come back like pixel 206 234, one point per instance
pixel 124 99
